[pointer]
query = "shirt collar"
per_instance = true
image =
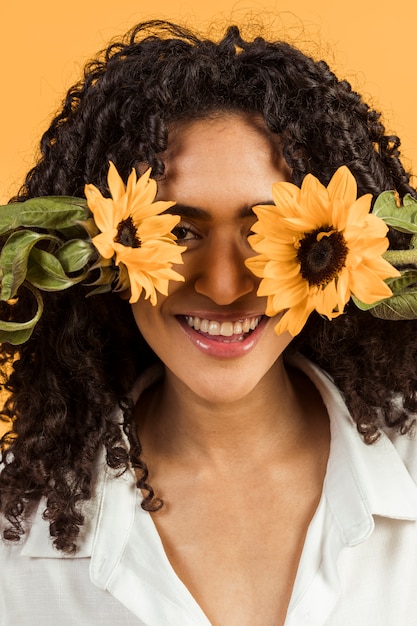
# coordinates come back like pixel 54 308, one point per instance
pixel 361 480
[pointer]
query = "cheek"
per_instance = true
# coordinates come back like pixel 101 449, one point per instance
pixel 156 327
pixel 145 315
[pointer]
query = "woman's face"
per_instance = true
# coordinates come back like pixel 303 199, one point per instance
pixel 210 331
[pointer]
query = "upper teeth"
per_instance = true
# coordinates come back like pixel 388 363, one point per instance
pixel 227 329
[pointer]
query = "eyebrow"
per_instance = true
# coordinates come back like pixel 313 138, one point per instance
pixel 192 212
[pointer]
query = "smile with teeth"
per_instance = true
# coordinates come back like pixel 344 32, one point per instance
pixel 224 329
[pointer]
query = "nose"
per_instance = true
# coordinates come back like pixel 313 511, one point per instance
pixel 222 275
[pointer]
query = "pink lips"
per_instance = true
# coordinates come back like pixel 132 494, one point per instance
pixel 221 346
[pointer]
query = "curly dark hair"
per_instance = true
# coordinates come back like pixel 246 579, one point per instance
pixel 85 353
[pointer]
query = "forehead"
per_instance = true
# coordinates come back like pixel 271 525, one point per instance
pixel 214 138
pixel 235 153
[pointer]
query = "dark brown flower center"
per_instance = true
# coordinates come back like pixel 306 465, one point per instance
pixel 322 255
pixel 127 234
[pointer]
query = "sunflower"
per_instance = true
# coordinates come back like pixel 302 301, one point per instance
pixel 317 246
pixel 133 231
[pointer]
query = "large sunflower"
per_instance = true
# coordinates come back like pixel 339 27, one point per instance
pixel 134 232
pixel 317 247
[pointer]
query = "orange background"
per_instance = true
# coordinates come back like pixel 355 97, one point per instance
pixel 44 44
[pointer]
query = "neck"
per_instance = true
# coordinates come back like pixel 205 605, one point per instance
pixel 175 423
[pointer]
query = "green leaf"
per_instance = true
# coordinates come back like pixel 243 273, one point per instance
pixel 413 242
pixel 46 272
pixel 76 231
pixel 106 275
pixel 17 333
pixel 48 213
pixel 14 259
pixel 90 227
pixel 104 288
pixel 401 283
pixel 399 307
pixel 408 200
pixel 74 255
pixel 402 218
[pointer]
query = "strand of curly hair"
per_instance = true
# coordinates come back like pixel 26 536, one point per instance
pixel 85 354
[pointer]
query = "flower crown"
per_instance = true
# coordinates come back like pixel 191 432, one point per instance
pixel 318 247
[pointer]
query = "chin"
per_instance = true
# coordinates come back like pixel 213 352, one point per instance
pixel 226 387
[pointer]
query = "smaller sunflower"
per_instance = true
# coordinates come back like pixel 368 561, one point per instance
pixel 317 246
pixel 134 231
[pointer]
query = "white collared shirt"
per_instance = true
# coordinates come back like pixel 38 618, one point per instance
pixel 358 566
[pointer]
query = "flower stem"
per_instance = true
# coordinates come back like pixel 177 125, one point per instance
pixel 401 257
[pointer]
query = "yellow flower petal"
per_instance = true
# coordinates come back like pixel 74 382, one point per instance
pixel 256 264
pixel 104 244
pixel 343 290
pixel 375 249
pixel 295 291
pixel 327 300
pixel 342 186
pixel 101 208
pixel 141 193
pixel 157 226
pixel 287 268
pixel 143 212
pixel 294 319
pixel 285 196
pixel 115 183
pixel 314 200
pixel 358 213
pixel 367 286
pixel 374 226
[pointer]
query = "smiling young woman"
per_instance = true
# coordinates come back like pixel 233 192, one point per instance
pixel 192 386
pixel 227 407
